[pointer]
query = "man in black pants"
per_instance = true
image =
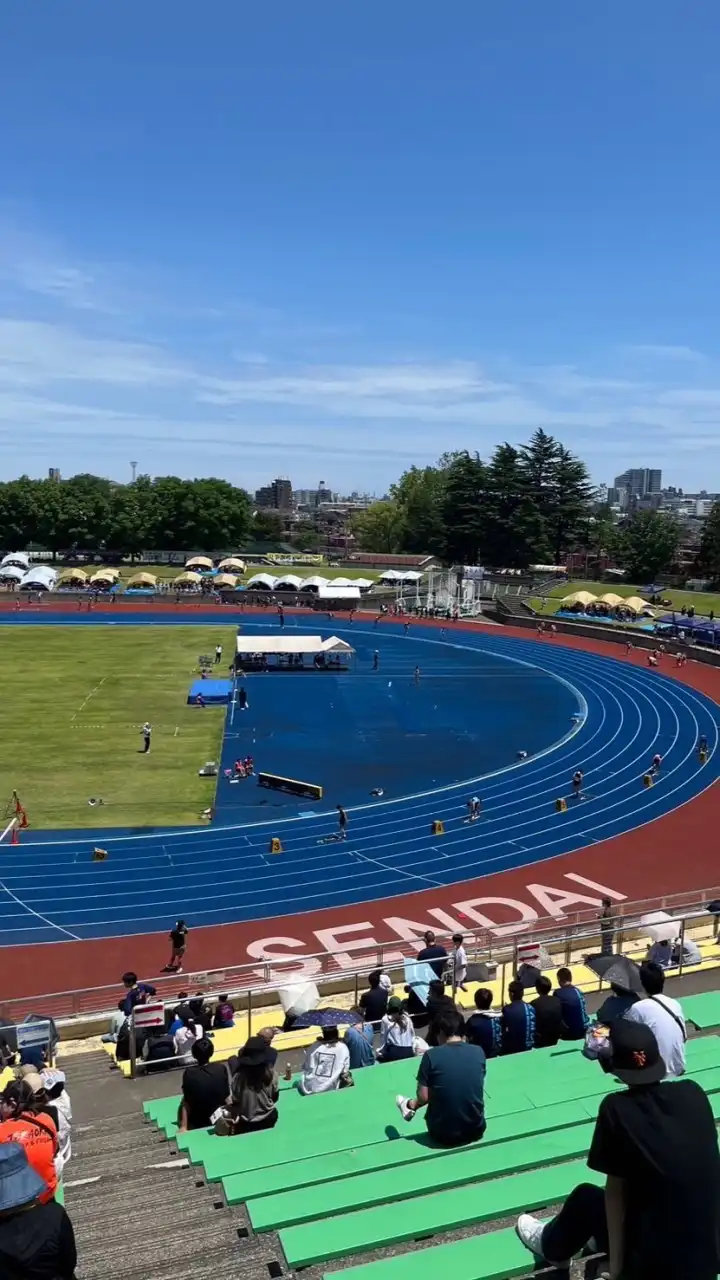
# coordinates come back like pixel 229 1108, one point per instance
pixel 656 1144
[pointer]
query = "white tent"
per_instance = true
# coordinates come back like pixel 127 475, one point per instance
pixel 17 560
pixel 338 593
pixel 289 582
pixel 39 578
pixel 291 644
pixel 401 575
pixel 11 573
pixel 313 583
pixel 265 581
pixel 341 582
pixel 364 582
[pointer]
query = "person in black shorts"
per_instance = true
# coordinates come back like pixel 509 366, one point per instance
pixel 178 941
pixel 342 822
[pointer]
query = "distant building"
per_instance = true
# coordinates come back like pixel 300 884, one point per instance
pixel 277 496
pixel 54 474
pixel 639 482
pixel 314 497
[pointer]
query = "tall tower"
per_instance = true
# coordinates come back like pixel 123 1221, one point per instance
pixel 133 471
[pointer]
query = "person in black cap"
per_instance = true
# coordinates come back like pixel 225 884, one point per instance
pixel 255 1089
pixel 656 1144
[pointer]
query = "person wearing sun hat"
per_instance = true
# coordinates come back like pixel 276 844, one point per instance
pixel 656 1145
pixel 36 1240
pixel 23 1119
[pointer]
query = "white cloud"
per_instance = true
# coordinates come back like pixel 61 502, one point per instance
pixel 661 351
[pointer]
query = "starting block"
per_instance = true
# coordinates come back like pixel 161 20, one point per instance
pixel 561 805
pixel 648 780
pixel 100 855
pixel 702 755
pixel 437 828
pixel 275 845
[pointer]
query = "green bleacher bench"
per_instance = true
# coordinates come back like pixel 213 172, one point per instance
pixel 425 1216
pixel 702 1010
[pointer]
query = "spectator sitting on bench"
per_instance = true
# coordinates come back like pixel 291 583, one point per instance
pixel 657 1146
pixel 518 1021
pixel 327 1064
pixel 186 1035
pixel 438 1003
pixel 616 1004
pixel 36 1237
pixel 450 1084
pixel 205 1087
pixel 575 1015
pixel 549 1025
pixel 397 1032
pixel 373 1003
pixel 254 1092
pixel 484 1027
pixel 224 1015
pixel 359 1039
pixel 663 1016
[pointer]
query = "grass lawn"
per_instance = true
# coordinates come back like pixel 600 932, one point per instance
pixel 74 702
pixel 703 601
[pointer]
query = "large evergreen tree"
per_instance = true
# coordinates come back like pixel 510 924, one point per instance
pixel 647 545
pixel 513 529
pixel 462 509
pixel 709 557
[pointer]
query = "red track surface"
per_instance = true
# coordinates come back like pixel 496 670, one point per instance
pixel 674 854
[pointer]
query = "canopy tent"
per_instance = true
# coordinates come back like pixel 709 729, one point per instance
pixel 364 582
pixel 16 559
pixel 611 598
pixel 187 579
pixel 198 562
pixel 143 580
pixel 341 582
pixel 548 568
pixel 11 573
pixel 291 644
pixel 226 580
pixel 232 564
pixel 401 575
pixel 73 575
pixel 579 597
pixel 313 583
pixel 636 605
pixel 40 578
pixel 288 582
pixel 331 592
pixel 262 582
pixel 105 575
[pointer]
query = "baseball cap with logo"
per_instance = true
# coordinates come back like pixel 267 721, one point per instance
pixel 634 1055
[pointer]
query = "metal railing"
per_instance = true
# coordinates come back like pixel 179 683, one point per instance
pixel 256 982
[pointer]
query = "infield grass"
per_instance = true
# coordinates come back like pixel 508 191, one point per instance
pixel 74 701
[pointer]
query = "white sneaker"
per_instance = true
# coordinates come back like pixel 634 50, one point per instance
pixel 406 1111
pixel 529 1230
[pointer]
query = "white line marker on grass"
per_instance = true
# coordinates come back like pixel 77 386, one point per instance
pixel 90 695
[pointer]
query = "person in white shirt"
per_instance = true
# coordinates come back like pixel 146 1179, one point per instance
pixel 58 1097
pixel 689 950
pixel 458 962
pixel 385 981
pixel 186 1035
pixel 326 1065
pixel 664 1017
pixel 397 1033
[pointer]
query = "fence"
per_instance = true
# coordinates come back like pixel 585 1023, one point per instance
pixel 256 983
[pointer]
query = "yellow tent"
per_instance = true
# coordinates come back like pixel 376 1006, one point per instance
pixel 143 580
pixel 72 575
pixel 198 562
pixel 187 579
pixel 611 598
pixel 237 566
pixel 636 605
pixel 105 575
pixel 579 597
pixel 225 580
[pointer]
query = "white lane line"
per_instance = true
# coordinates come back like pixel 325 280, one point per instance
pixel 90 695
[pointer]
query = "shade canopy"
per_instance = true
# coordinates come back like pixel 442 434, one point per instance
pixel 187 579
pixel 41 576
pixel 611 598
pixel 312 583
pixel 11 573
pixel 73 575
pixel 579 597
pixel 292 644
pixel 232 564
pixel 105 575
pixel 637 605
pixel 18 559
pixel 143 580
pixel 226 580
pixel 401 575
pixel 266 581
pixel 331 592
pixel 198 562
pixel 288 582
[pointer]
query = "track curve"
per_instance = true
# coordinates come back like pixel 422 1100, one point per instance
pixel 222 875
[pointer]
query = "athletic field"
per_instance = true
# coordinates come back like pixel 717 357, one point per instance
pixel 74 700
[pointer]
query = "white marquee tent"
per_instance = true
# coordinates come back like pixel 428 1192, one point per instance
pixel 292 644
pixel 16 560
pixel 40 578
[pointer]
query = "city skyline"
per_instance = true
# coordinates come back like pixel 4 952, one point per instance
pixel 365 237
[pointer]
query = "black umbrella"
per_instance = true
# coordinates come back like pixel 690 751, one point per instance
pixel 619 970
pixel 326 1018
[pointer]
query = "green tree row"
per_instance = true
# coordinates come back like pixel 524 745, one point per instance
pixel 89 513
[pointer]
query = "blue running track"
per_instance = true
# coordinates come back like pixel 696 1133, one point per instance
pixel 482 681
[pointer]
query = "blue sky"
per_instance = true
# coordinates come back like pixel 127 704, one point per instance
pixel 328 240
